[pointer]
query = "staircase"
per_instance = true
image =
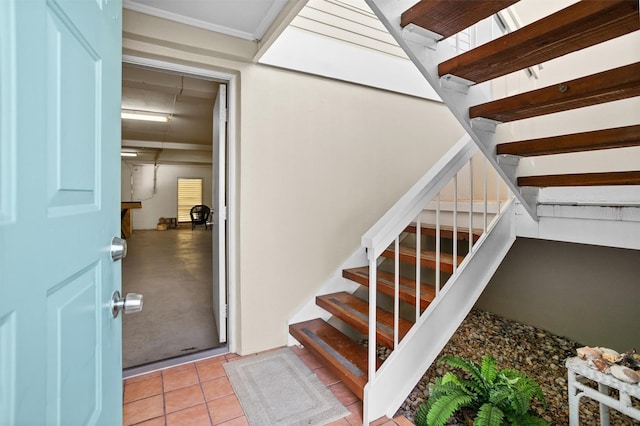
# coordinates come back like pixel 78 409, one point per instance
pixel 463 81
pixel 345 357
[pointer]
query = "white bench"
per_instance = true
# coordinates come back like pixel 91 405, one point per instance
pixel 579 373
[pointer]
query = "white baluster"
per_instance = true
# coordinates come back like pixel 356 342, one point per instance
pixel 418 266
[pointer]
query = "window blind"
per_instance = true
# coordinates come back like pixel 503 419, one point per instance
pixel 189 195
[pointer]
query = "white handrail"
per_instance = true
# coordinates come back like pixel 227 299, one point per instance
pixel 408 209
pixel 380 235
pixel 391 225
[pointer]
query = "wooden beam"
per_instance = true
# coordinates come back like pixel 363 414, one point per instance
pixel 580 25
pixel 449 17
pixel 620 137
pixel 607 86
pixel 582 179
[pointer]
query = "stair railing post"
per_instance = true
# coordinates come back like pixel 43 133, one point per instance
pixel 396 292
pixel 484 189
pixel 470 205
pixel 498 195
pixel 455 223
pixel 438 245
pixel 418 268
pixel 373 280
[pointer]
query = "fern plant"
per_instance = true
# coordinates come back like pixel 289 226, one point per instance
pixel 496 397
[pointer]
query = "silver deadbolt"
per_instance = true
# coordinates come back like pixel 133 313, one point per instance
pixel 131 303
pixel 118 248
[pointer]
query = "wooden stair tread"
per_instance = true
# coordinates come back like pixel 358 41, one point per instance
pixel 427 258
pixel 445 231
pixel 619 137
pixel 386 285
pixel 355 312
pixel 607 86
pixel 344 357
pixel 449 17
pixel 576 27
pixel 582 179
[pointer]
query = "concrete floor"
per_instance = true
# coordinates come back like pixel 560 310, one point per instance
pixel 173 270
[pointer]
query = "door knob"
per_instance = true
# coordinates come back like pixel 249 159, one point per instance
pixel 118 248
pixel 131 303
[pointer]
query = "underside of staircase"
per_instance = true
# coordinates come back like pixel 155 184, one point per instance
pixel 579 26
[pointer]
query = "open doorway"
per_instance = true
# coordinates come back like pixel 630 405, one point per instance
pixel 173 263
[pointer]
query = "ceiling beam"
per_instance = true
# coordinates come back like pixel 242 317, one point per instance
pixel 130 143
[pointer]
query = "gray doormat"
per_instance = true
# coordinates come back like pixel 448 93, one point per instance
pixel 277 388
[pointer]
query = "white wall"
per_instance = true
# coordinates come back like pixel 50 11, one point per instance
pixel 161 201
pixel 318 162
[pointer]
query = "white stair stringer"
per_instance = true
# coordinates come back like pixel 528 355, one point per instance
pixel 426 54
pixel 603 216
pixel 422 344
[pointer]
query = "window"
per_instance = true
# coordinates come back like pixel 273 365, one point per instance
pixel 189 195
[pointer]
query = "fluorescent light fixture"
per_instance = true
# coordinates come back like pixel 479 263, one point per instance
pixel 144 116
pixel 128 154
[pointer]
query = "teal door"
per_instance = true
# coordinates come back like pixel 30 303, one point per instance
pixel 60 361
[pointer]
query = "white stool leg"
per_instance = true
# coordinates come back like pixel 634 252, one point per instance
pixel 574 400
pixel 604 409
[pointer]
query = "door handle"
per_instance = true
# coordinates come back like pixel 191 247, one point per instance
pixel 131 303
pixel 118 248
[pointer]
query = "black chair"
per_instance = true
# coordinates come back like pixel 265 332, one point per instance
pixel 199 216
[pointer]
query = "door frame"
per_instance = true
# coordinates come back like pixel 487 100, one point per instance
pixel 231 81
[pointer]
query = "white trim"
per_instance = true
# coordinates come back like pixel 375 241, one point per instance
pixel 130 143
pixel 269 18
pixel 591 196
pixel 232 85
pixel 153 11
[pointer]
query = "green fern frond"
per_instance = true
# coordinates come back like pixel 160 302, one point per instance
pixel 421 414
pixel 467 386
pixel 520 401
pixel 470 367
pixel 489 369
pixel 499 395
pixel 489 415
pixel 535 390
pixel 444 407
pixel 523 384
pixel 444 385
pixel 527 420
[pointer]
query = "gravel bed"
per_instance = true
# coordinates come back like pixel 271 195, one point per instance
pixel 537 353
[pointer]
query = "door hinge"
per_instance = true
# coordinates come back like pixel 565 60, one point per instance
pixel 226 311
pixel 225 114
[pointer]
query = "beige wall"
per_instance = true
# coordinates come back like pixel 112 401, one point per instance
pixel 588 293
pixel 319 161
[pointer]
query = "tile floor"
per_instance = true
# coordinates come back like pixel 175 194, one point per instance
pixel 199 393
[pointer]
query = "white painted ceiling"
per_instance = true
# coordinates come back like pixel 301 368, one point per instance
pixel 247 19
pixel 186 137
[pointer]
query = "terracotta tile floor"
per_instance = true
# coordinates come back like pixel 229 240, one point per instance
pixel 199 393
